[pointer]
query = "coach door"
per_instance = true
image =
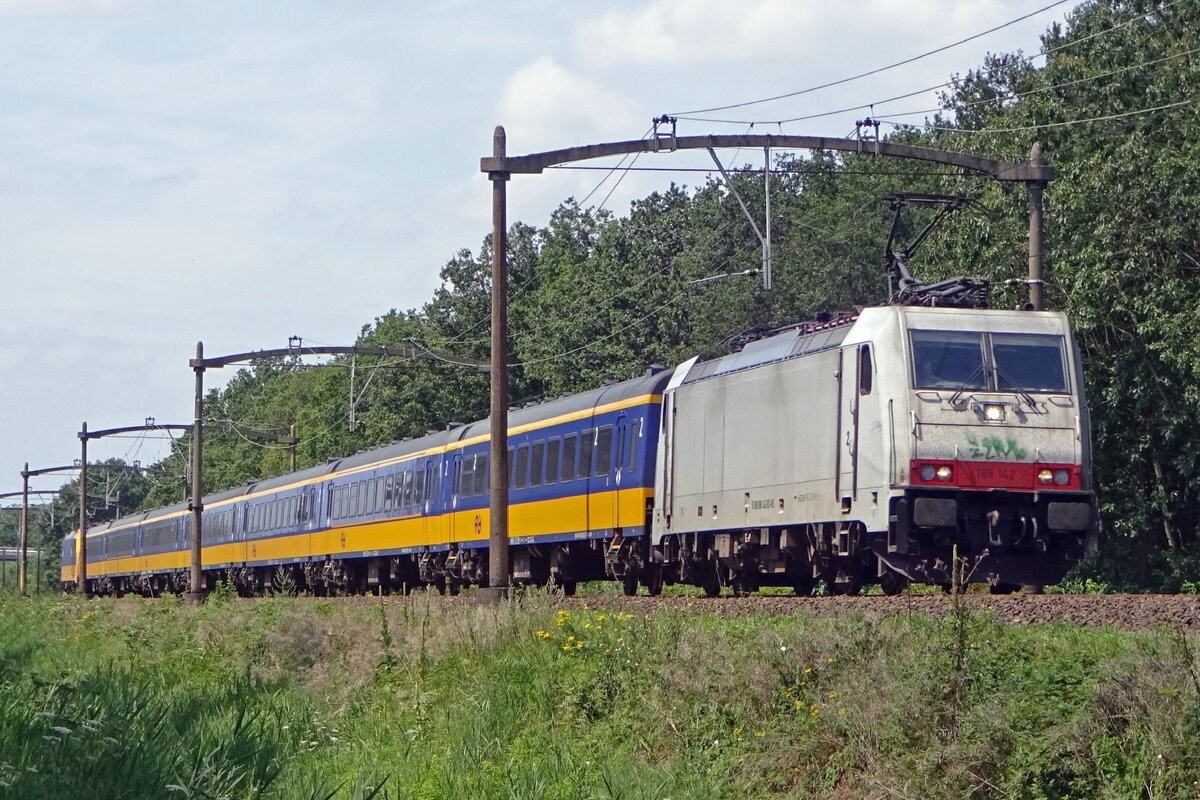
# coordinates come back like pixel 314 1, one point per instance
pixel 454 477
pixel 429 504
pixel 620 447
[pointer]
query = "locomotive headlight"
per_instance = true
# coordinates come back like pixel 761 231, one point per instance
pixel 928 471
pixel 1045 476
pixel 993 412
pixel 1061 476
pixel 944 473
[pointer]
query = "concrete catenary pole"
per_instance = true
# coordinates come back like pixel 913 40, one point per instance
pixel 498 536
pixel 23 566
pixel 196 594
pixel 1036 189
pixel 81 548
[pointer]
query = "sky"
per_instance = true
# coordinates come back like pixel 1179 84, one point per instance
pixel 240 171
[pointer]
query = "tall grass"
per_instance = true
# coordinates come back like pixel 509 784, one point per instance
pixel 426 698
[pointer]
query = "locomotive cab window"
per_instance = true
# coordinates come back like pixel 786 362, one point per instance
pixel 948 360
pixel 1029 362
pixel 997 362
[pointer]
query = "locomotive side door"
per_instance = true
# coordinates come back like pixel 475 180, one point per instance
pixel 862 443
pixel 847 444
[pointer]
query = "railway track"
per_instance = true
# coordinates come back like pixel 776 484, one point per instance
pixel 1126 612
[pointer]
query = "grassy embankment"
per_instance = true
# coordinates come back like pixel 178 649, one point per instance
pixel 423 698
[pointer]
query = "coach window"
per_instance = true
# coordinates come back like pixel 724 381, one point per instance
pixel 380 488
pixel 635 428
pixel 568 458
pixel 481 474
pixel 587 441
pixel 522 465
pixel 388 496
pixel 864 369
pixel 537 463
pixel 553 448
pixel 604 438
pixel 407 502
pixel 468 476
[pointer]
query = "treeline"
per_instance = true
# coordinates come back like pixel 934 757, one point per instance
pixel 597 296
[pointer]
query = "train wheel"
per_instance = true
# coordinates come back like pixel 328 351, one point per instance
pixel 630 582
pixel 892 583
pixel 654 580
pixel 1003 588
pixel 568 588
pixel 454 586
pixel 803 587
pixel 712 582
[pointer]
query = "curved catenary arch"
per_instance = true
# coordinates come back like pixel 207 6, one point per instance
pixel 500 167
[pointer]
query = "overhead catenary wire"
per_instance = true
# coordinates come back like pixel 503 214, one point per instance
pixel 1044 89
pixel 611 172
pixel 944 85
pixel 1064 123
pixel 797 171
pixel 874 71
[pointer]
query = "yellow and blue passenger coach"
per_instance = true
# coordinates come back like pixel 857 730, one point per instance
pixel 414 512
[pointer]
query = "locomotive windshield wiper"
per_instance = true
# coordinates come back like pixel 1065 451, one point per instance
pixel 966 384
pixel 1024 395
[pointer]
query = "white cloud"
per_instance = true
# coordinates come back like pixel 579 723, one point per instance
pixel 549 105
pixel 679 32
pixel 43 8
